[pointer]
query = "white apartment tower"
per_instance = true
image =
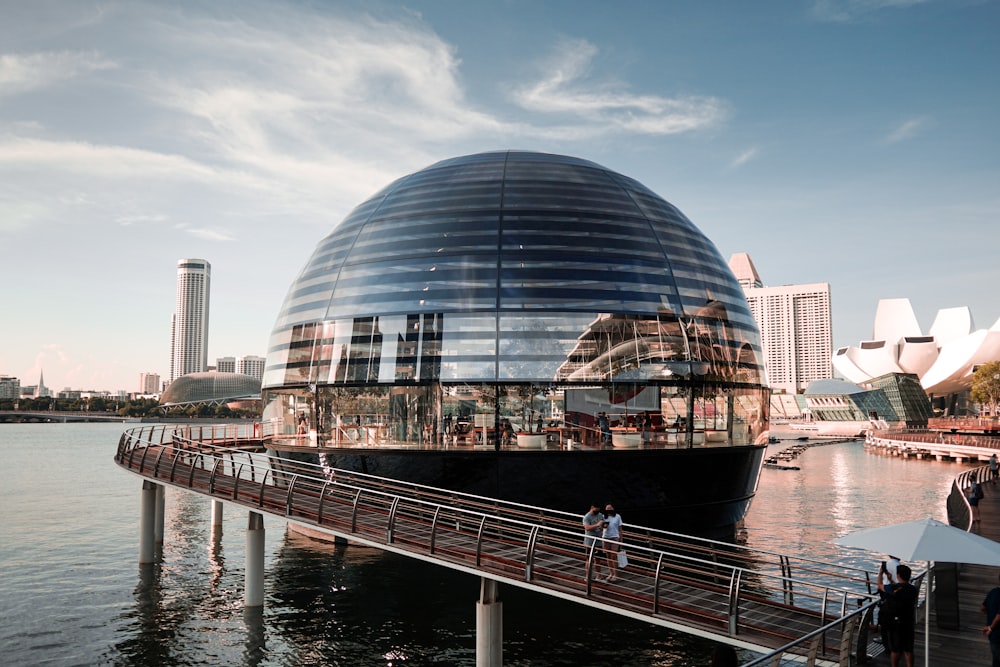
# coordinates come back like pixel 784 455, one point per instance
pixel 795 329
pixel 189 328
pixel 225 364
pixel 149 383
pixel 251 365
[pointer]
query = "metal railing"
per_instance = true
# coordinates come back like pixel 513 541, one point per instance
pixel 959 509
pixel 939 438
pixel 753 598
pixel 959 515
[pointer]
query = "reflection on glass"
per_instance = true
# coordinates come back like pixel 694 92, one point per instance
pixel 509 292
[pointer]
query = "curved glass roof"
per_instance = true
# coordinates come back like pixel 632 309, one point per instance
pixel 209 387
pixel 513 266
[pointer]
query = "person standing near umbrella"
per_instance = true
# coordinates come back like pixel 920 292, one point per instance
pixel 991 606
pixel 899 614
pixel 887 574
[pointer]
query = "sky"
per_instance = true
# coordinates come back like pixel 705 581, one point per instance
pixel 854 142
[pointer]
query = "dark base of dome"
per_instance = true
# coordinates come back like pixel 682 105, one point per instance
pixel 702 491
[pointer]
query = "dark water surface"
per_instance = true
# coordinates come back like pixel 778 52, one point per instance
pixel 72 593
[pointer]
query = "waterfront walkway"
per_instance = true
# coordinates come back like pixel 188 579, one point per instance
pixel 967 645
pixel 964 645
pixel 748 598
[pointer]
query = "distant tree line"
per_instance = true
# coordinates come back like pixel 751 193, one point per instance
pixel 140 407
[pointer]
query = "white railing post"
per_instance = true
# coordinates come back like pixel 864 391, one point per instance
pixel 254 575
pixel 147 522
pixel 489 625
pixel 216 518
pixel 161 492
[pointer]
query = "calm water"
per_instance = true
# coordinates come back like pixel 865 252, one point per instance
pixel 71 592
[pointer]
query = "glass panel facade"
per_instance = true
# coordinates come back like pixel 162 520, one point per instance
pixel 478 283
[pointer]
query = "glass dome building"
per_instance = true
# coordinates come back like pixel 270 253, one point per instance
pixel 494 297
pixel 210 387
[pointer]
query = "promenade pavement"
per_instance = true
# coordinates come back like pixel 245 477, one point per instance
pixel 966 645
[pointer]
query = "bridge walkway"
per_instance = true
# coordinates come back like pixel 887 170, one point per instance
pixel 724 592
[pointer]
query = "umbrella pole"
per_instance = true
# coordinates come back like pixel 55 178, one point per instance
pixel 927 614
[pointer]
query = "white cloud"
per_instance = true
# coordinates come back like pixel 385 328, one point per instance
pixel 907 129
pixel 206 233
pixel 139 219
pixel 567 90
pixel 843 11
pixel 744 157
pixel 94 159
pixel 20 73
pixel 285 111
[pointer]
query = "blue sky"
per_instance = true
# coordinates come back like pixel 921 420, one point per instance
pixel 854 142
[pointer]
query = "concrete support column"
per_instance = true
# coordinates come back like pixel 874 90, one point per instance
pixel 147 522
pixel 489 625
pixel 216 518
pixel 161 493
pixel 254 577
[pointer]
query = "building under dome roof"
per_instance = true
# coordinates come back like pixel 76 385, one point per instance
pixel 506 324
pixel 213 388
pixel 485 273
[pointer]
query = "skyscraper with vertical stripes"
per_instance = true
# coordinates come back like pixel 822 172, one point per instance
pixel 795 327
pixel 189 326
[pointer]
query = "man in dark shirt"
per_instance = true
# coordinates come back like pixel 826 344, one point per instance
pixel 899 607
pixel 991 606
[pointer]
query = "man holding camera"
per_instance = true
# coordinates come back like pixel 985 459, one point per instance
pixel 898 615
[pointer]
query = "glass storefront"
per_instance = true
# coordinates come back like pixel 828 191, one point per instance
pixel 508 292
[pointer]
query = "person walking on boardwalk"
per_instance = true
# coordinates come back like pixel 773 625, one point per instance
pixel 899 615
pixel 593 527
pixel 991 607
pixel 612 531
pixel 974 495
pixel 994 468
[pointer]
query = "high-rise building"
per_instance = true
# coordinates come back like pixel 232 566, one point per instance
pixel 795 327
pixel 189 328
pixel 250 365
pixel 10 387
pixel 149 383
pixel 225 365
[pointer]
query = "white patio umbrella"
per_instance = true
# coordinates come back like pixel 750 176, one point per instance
pixel 926 540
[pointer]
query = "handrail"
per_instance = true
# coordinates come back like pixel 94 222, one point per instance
pixel 527 536
pixel 938 438
pixel 655 538
pixel 959 509
pixel 844 623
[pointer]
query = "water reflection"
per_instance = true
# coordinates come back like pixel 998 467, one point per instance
pixel 841 488
pixel 255 652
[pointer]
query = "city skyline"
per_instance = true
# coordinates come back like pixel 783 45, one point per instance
pixel 852 143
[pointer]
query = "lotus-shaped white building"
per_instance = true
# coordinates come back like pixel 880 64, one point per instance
pixel 944 358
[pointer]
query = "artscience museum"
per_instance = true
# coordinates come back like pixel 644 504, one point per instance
pixel 944 358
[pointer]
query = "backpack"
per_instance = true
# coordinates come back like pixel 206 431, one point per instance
pixel 896 605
